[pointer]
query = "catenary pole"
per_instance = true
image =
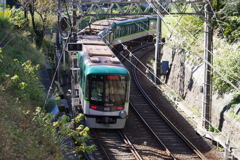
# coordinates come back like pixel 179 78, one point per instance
pixel 157 51
pixel 207 90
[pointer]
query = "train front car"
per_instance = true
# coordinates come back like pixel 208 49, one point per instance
pixel 105 87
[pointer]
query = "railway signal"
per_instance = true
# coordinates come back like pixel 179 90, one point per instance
pixel 63 23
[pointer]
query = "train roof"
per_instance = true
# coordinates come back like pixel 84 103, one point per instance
pixel 98 59
pixel 90 39
pixel 95 55
pixel 105 22
pixel 131 20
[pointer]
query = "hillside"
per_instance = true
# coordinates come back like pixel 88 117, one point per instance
pixel 23 133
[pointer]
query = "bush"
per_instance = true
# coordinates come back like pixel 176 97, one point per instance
pixel 226 61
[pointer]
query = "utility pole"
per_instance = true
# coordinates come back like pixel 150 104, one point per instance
pixel 58 41
pixel 207 89
pixel 158 46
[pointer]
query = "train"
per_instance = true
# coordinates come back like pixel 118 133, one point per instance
pixel 118 30
pixel 102 81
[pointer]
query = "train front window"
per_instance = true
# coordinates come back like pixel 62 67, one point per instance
pixel 109 89
pixel 96 84
pixel 115 89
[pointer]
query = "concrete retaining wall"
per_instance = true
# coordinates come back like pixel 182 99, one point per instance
pixel 186 78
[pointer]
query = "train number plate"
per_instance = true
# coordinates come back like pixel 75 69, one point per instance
pixel 106 109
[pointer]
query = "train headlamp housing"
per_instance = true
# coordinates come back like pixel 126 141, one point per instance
pixel 123 114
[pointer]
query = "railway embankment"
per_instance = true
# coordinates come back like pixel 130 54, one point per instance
pixel 184 85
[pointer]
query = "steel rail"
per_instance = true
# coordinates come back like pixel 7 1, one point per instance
pixel 130 145
pixel 101 146
pixel 164 117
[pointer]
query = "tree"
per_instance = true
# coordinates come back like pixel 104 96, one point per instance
pixel 229 21
pixel 42 14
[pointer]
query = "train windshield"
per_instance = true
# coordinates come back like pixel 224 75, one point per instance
pixel 107 89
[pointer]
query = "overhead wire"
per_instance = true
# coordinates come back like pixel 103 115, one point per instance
pixel 58 64
pixel 153 74
pixel 224 77
pixel 12 36
pixel 189 45
pixel 146 66
pixel 193 49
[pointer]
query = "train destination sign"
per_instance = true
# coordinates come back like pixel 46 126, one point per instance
pixel 74 47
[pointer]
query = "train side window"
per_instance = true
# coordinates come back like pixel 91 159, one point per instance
pixel 118 29
pixel 153 25
pixel 113 37
pixel 118 33
pixel 87 89
pixel 121 32
pixel 145 26
pixel 133 28
pixel 142 26
pixel 110 37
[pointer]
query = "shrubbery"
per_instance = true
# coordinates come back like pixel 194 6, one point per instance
pixel 27 131
pixel 189 35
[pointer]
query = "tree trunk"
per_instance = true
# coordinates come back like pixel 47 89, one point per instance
pixel 38 31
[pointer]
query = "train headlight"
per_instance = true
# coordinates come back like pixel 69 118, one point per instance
pixel 123 114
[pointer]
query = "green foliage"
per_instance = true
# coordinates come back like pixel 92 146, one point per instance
pixel 21 137
pixel 217 4
pixel 232 114
pixel 227 61
pixel 50 105
pixel 25 135
pixel 4 19
pixel 42 17
pixel 230 9
pixel 236 99
pixel 231 28
pixel 229 20
pixel 212 129
pixel 15 16
pixel 191 26
pixel 80 135
pixel 21 81
pixel 226 56
pixel 184 31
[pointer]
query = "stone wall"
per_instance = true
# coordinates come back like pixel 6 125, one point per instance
pixel 186 79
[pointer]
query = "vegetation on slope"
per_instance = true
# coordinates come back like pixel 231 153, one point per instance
pixel 188 34
pixel 20 91
pixel 26 130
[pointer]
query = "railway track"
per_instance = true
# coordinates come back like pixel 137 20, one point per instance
pixel 175 143
pixel 150 135
pixel 113 144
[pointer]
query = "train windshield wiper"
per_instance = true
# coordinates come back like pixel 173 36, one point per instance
pixel 109 100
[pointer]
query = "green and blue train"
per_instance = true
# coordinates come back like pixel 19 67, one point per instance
pixel 103 81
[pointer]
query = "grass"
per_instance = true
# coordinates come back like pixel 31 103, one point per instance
pixel 20 137
pixel 20 93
